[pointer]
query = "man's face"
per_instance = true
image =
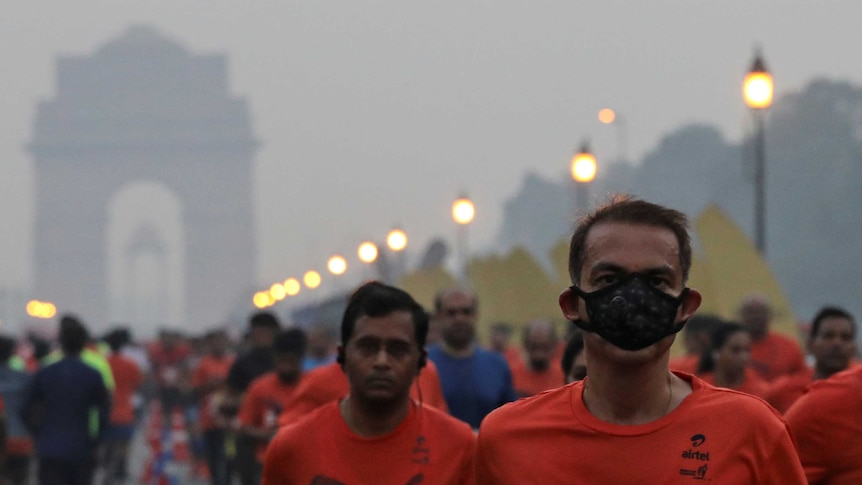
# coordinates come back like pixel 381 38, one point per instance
pixel 755 315
pixel 457 318
pixel 834 345
pixel 613 250
pixel 381 358
pixel 540 347
pixel 219 344
pixel 262 337
pixel 733 356
pixel 288 366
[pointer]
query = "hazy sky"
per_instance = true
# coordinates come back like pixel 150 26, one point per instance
pixel 376 113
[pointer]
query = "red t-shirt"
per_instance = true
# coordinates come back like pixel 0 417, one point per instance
pixel 687 363
pixel 169 365
pixel 776 355
pixel 785 390
pixel 210 370
pixel 751 383
pixel 328 383
pixel 716 435
pixel 528 382
pixel 428 447
pixel 827 424
pixel 127 378
pixel 264 401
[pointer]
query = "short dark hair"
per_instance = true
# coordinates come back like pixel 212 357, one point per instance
pixel 375 299
pixel 717 339
pixel 627 209
pixel 442 294
pixel 73 335
pixel 264 320
pixel 831 312
pixel 118 338
pixel 7 348
pixel 290 341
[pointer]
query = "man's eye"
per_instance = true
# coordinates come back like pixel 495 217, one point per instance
pixel 398 350
pixel 658 281
pixel 607 279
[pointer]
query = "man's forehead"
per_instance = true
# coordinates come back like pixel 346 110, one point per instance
pixel 457 297
pixel 610 243
pixel 397 325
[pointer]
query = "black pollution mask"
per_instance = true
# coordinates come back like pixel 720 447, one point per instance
pixel 631 313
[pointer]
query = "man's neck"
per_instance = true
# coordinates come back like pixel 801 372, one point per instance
pixel 458 352
pixel 633 395
pixel 373 419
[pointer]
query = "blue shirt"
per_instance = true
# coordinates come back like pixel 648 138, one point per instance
pixel 473 386
pixel 60 397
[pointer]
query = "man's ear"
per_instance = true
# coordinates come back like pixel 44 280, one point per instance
pixel 569 303
pixel 690 304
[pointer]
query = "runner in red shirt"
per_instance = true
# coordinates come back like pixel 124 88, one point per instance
pixel 209 381
pixel 272 393
pixel 726 364
pixel 632 421
pixel 772 354
pixel 832 342
pixel 376 434
pixel 537 373
pixel 128 378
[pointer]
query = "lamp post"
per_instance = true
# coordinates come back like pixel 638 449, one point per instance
pixel 583 172
pixel 757 90
pixel 463 212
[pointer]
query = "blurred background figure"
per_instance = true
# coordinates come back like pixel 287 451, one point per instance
pixel 573 362
pixel 726 363
pixel 500 342
pixel 209 381
pixel 772 354
pixel 831 343
pixel 535 373
pixel 697 335
pixel 321 347
pixel 56 410
pixel 15 465
pixel 128 379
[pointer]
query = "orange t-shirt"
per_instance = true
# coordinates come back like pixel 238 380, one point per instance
pixel 827 424
pixel 776 355
pixel 264 401
pixel 687 363
pixel 751 383
pixel 528 382
pixel 128 378
pixel 328 383
pixel 210 369
pixel 716 435
pixel 428 447
pixel 785 390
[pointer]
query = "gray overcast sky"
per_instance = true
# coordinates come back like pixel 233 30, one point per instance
pixel 374 113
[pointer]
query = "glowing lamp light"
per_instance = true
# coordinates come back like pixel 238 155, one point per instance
pixel 262 299
pixel 367 252
pixel 337 265
pixel 584 166
pixel 757 87
pixel 277 292
pixel 607 116
pixel 311 279
pixel 41 309
pixel 463 210
pixel 396 240
pixel 292 286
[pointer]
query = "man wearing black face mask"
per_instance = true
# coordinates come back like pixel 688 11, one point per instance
pixel 631 420
pixel 271 394
pixel 535 373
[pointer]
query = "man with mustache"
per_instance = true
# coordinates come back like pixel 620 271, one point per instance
pixel 377 433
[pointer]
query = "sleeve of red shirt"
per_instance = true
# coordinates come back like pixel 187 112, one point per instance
pixel 251 410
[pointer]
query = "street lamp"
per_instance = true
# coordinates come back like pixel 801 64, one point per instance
pixel 337 265
pixel 292 286
pixel 463 212
pixel 583 172
pixel 396 240
pixel 367 252
pixel 757 90
pixel 311 279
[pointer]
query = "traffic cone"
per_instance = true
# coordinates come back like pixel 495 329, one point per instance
pixel 179 437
